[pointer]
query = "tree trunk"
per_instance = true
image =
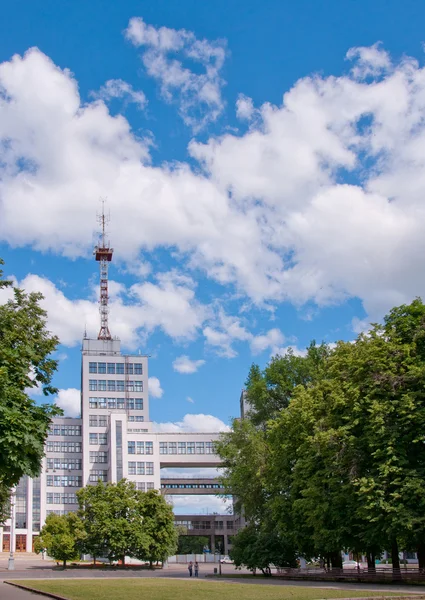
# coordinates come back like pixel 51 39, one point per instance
pixel 328 562
pixel 94 561
pixel 420 550
pixel 123 560
pixel 64 564
pixel 371 561
pixel 336 560
pixel 395 558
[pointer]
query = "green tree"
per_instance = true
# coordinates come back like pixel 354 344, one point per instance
pixel 25 363
pixel 158 525
pixel 61 537
pixel 192 544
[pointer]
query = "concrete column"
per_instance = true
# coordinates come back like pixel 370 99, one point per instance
pixel 29 514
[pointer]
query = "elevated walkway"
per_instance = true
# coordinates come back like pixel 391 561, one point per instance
pixel 180 486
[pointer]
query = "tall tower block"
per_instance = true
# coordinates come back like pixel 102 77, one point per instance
pixel 103 254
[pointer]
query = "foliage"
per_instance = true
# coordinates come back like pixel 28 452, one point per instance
pixel 121 521
pixel 192 544
pixel 25 363
pixel 60 537
pixel 256 548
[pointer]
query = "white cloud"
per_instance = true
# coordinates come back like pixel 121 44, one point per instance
pixel 244 107
pixel 196 505
pixel 192 423
pixel 272 339
pixel 70 401
pixel 117 88
pixel 369 61
pixel 198 94
pixel 183 364
pixel 155 389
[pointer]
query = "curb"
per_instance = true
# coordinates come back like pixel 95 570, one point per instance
pixel 34 591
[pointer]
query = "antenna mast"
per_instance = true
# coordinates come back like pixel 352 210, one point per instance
pixel 103 254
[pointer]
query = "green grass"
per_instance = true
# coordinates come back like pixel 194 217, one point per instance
pixel 162 589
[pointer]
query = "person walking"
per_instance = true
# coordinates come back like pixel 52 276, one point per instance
pixel 190 567
pixel 196 568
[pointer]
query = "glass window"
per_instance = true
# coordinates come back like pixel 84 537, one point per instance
pixel 139 404
pixel 130 386
pixel 131 448
pixel 182 447
pixel 98 457
pixel 138 386
pixel 119 368
pixel 97 475
pixel 132 468
pixel 93 439
pixel 149 447
pixel 120 402
pixel 103 420
pixel 190 447
pixel 101 385
pixel 102 402
pixel 200 449
pixel 112 403
pixel 140 418
pixel 209 448
pixel 111 385
pixel 120 386
pixel 149 485
pixel 141 486
pixel 140 468
pixel 92 367
pixel 93 385
pixel 130 419
pixel 138 369
pixel 140 447
pixel 103 439
pixel 172 447
pixel 130 403
pixel 101 367
pixel 149 468
pixel 92 402
pixel 163 448
pixel 129 369
pixel 111 368
pixel 93 420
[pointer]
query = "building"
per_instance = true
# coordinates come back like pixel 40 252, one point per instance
pixel 113 439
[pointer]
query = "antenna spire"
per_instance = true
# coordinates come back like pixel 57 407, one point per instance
pixel 103 254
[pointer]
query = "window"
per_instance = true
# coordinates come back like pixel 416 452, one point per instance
pixel 111 403
pixel 132 468
pixel 111 368
pixel 131 448
pixel 140 447
pixel 209 448
pixel 93 439
pixel 141 486
pixel 103 420
pixel 139 403
pixel 190 447
pixel 119 368
pixel 101 367
pixel 101 402
pixel 129 369
pixel 93 421
pixel 182 447
pixel 120 402
pixel 172 448
pixel 140 468
pixel 149 468
pixel 120 386
pixel 93 385
pixel 63 447
pixel 149 447
pixel 92 367
pixel 98 457
pixel 131 419
pixel 64 481
pixel 150 485
pixel 130 403
pixel 230 524
pixel 163 448
pixel 111 385
pixel 200 449
pixel 65 430
pixel 70 464
pixel 97 475
pixel 138 386
pixel 103 439
pixel 101 385
pixel 138 369
pixel 130 386
pixel 92 402
pixel 140 418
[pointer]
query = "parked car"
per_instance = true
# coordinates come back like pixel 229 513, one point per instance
pixel 226 560
pixel 351 564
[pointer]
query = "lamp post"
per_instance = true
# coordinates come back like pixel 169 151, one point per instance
pixel 219 557
pixel 11 564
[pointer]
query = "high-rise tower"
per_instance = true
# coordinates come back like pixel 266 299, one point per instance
pixel 103 254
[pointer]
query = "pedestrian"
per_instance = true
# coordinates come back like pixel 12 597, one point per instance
pixel 196 568
pixel 190 567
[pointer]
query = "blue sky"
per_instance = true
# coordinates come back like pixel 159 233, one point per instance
pixel 263 164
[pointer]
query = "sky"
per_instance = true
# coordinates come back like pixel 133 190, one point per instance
pixel 263 165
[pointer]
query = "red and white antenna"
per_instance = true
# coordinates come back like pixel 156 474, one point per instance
pixel 103 254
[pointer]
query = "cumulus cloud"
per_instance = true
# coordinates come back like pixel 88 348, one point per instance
pixel 117 88
pixel 192 423
pixel 70 401
pixel 183 364
pixel 197 94
pixel 192 505
pixel 155 389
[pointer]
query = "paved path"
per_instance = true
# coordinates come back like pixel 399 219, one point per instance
pixel 10 592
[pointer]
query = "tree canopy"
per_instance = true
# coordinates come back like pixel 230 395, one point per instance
pixel 61 537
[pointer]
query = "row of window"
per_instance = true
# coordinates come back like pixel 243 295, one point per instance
pixel 111 403
pixel 98 475
pixel 61 498
pixel 73 464
pixel 140 468
pixel 205 524
pixel 98 457
pixel 186 447
pixel 98 420
pixel 140 447
pixel 63 447
pixel 65 430
pixel 55 511
pixel 142 486
pixel 192 486
pixel 64 481
pixel 116 368
pixel 98 439
pixel 136 418
pixel 115 385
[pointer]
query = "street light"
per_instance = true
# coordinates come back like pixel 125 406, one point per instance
pixel 11 564
pixel 219 557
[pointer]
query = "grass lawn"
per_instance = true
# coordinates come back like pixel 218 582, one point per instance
pixel 163 589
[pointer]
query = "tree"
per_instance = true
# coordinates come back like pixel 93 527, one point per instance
pixel 191 544
pixel 61 537
pixel 158 526
pixel 25 363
